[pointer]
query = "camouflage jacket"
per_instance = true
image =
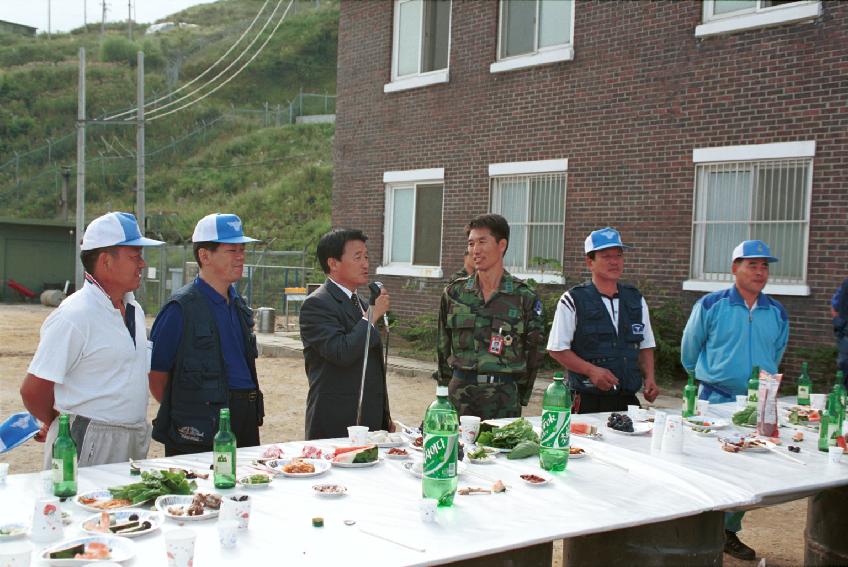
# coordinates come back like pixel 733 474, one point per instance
pixel 467 323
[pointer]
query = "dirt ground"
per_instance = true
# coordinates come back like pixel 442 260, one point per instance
pixel 776 532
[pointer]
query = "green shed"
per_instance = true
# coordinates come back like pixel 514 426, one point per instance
pixel 37 254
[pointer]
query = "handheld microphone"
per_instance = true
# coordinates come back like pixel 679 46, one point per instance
pixel 376 288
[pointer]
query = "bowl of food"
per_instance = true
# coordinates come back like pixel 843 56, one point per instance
pixel 329 490
pixel 257 480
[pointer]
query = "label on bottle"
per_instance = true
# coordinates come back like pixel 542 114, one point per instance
pixel 58 468
pixel 223 463
pixel 440 453
pixel 556 429
pixel 803 392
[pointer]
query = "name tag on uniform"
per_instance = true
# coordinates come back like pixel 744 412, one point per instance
pixel 496 344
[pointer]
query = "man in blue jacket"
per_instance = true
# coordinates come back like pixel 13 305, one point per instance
pixel 839 312
pixel 728 333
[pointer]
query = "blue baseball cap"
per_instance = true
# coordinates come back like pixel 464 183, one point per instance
pixel 604 238
pixel 753 249
pixel 220 227
pixel 17 430
pixel 115 229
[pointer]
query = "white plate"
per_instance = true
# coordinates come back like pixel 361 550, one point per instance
pixel 169 500
pixel 19 529
pixel 123 516
pixel 101 496
pixel 341 490
pixel 572 456
pixel 495 449
pixel 121 548
pixel 356 465
pixel 415 468
pixel 397 457
pixel 707 422
pixel 639 428
pixel 541 475
pixel 242 482
pixel 487 460
pixel 321 466
pixel 386 443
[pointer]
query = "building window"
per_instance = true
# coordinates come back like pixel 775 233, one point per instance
pixel 534 205
pixel 413 225
pixel 724 16
pixel 758 198
pixel 534 32
pixel 421 43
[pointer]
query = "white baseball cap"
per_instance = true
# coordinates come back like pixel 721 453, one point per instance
pixel 115 229
pixel 220 227
pixel 603 238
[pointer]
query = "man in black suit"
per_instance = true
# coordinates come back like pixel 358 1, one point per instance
pixel 333 326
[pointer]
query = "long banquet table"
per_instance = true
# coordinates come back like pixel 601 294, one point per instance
pixel 619 485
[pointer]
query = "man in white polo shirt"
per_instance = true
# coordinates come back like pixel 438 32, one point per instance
pixel 91 362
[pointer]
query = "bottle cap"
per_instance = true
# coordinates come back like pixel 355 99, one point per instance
pixel 442 391
pixel 558 376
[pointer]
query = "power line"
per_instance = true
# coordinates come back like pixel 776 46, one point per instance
pixel 203 74
pixel 236 74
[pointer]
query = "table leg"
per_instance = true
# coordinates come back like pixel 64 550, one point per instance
pixel 692 541
pixel 827 525
pixel 539 555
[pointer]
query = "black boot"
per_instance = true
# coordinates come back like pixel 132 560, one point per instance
pixel 735 548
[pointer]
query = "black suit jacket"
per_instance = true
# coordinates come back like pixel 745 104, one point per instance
pixel 333 334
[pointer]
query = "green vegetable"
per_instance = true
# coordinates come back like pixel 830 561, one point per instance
pixel 523 450
pixel 68 553
pixel 258 479
pixel 745 416
pixel 509 436
pixel 485 438
pixel 366 456
pixel 152 485
pixel 478 454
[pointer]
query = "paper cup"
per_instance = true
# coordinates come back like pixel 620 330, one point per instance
pixel 179 545
pixel 817 401
pixel 742 401
pixel 702 407
pixel 672 441
pixel 237 511
pixel 834 455
pixel 46 478
pixel 469 428
pixel 358 434
pixel 658 431
pixel 15 554
pixel 4 472
pixel 227 533
pixel 427 507
pixel 47 520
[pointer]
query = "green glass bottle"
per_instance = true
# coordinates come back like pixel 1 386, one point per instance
pixel 690 394
pixel 754 386
pixel 64 461
pixel 824 429
pixel 556 426
pixel 839 384
pixel 224 453
pixel 830 426
pixel 441 446
pixel 805 386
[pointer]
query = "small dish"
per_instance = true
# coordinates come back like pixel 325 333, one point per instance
pixel 13 531
pixel 397 453
pixel 253 481
pixel 535 479
pixel 172 500
pixel 89 525
pixel 576 453
pixel 487 460
pixel 639 428
pixel 329 490
pixel 321 466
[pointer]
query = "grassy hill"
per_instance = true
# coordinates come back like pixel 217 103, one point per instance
pixel 201 159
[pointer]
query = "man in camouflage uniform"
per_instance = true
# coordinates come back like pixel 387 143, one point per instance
pixel 491 330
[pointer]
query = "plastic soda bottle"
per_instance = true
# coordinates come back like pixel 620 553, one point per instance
pixel 64 461
pixel 556 426
pixel 805 386
pixel 754 386
pixel 690 394
pixel 224 453
pixel 441 447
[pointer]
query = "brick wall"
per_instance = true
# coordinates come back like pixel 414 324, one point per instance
pixel 640 94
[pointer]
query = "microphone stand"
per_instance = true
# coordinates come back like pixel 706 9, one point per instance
pixel 368 315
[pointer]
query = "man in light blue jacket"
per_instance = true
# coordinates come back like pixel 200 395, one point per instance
pixel 728 333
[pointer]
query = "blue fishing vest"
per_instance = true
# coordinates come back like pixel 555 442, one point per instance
pixel 596 341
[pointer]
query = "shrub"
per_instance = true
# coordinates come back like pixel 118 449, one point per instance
pixel 118 49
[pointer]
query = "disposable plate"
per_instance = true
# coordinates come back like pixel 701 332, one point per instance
pixel 321 466
pixel 171 500
pixel 121 549
pixel 100 496
pixel 89 524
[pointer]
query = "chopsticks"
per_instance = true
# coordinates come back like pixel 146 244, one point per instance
pixel 384 538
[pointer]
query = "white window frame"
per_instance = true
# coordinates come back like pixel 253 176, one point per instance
pixel 756 152
pixel 802 10
pixel 517 168
pixel 418 80
pixel 395 180
pixel 542 56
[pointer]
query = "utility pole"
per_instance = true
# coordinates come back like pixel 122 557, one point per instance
pixel 85 14
pixel 129 17
pixel 80 167
pixel 139 142
pixel 103 17
pixel 63 200
pixel 49 19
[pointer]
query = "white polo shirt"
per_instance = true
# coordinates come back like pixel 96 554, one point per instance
pixel 86 349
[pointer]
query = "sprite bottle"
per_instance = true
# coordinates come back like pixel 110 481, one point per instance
pixel 556 426
pixel 690 394
pixel 805 386
pixel 441 444
pixel 64 461
pixel 754 387
pixel 224 453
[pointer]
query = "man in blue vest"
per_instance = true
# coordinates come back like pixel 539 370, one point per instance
pixel 728 333
pixel 602 335
pixel 839 312
pixel 204 349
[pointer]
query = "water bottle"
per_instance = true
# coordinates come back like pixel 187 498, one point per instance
pixel 224 453
pixel 64 461
pixel 556 426
pixel 441 444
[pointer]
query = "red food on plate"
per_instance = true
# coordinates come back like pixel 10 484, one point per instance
pixel 397 451
pixel 532 478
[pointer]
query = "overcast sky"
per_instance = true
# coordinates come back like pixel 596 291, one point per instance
pixel 68 14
